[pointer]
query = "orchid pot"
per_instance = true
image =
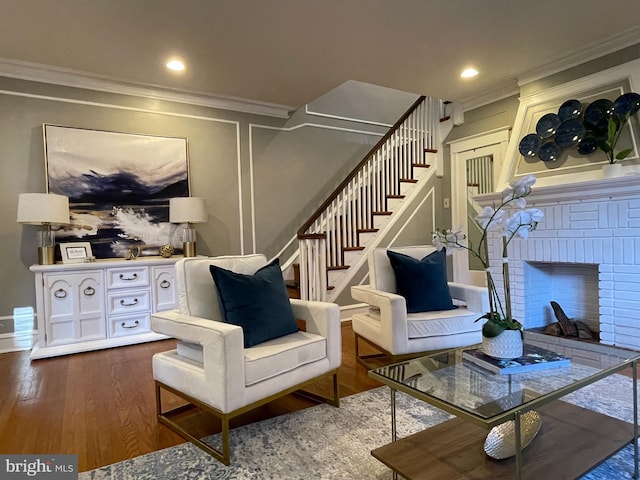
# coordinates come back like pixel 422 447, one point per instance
pixel 505 346
pixel 502 334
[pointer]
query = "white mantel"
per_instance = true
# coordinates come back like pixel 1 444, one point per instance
pixel 595 223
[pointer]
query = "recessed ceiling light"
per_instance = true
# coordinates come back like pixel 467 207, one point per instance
pixel 175 65
pixel 469 72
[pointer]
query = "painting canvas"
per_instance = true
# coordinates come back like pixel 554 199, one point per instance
pixel 119 186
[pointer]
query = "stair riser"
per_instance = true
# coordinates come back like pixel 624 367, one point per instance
pixel 335 276
pixel 380 221
pixel 394 204
pixel 366 238
pixel 407 189
pixel 420 172
pixel 351 258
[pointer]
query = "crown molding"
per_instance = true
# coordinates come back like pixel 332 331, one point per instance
pixel 582 55
pixel 491 96
pixel 568 60
pixel 72 78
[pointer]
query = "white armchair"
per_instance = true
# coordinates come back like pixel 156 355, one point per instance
pixel 211 368
pixel 391 330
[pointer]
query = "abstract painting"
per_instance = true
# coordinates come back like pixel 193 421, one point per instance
pixel 119 186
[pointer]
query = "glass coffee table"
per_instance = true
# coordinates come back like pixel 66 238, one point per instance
pixel 572 440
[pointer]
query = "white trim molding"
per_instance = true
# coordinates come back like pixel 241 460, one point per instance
pixel 346 119
pixel 16 341
pixel 582 55
pixel 539 102
pixel 568 60
pixel 73 78
pixel 494 143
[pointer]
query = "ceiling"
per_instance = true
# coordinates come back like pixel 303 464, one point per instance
pixel 289 52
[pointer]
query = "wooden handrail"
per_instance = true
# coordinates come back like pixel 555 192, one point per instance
pixel 354 172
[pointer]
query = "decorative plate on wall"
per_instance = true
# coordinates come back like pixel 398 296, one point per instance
pixel 587 145
pixel 549 151
pixel 627 103
pixel 598 111
pixel 570 132
pixel 529 145
pixel 588 127
pixel 570 109
pixel 547 125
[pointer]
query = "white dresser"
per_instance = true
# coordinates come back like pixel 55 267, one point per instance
pixel 106 303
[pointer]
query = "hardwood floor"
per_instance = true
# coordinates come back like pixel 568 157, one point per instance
pixel 101 405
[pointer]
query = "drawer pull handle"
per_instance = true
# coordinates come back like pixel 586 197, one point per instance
pixel 135 324
pixel 125 304
pixel 165 284
pixel 89 291
pixel 129 279
pixel 60 293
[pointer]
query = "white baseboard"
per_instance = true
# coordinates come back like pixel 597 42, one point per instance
pixel 14 342
pixel 347 311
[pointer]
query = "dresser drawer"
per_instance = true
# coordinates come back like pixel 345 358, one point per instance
pixel 125 302
pixel 126 277
pixel 129 325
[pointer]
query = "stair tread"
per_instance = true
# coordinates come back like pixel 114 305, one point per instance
pixel 337 267
pixel 367 230
pixel 408 180
pixel 353 249
pixel 396 196
pixel 444 119
pixel 421 165
pixel 381 213
pixel 430 150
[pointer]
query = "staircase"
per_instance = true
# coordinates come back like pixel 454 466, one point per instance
pixel 334 242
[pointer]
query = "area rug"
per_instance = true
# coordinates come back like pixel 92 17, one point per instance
pixel 325 442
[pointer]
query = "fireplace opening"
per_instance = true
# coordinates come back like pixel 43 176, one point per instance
pixel 574 286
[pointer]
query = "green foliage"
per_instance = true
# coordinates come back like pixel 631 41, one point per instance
pixel 496 324
pixel 615 125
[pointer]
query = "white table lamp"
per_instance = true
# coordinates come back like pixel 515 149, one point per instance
pixel 188 210
pixel 44 209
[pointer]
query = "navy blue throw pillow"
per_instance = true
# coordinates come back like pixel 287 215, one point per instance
pixel 423 283
pixel 258 303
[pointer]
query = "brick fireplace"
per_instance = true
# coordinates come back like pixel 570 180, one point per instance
pixel 585 255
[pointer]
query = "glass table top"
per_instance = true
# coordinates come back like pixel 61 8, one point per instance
pixel 465 389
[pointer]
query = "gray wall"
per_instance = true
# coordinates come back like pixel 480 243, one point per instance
pixel 363 101
pixel 261 176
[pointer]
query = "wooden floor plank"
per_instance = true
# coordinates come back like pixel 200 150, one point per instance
pixel 101 405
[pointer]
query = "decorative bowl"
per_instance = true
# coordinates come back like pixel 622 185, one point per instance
pixel 501 440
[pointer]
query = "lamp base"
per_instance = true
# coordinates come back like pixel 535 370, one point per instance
pixel 46 256
pixel 189 249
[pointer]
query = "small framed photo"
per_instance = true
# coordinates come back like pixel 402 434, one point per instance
pixel 76 252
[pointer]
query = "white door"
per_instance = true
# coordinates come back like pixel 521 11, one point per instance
pixel 475 168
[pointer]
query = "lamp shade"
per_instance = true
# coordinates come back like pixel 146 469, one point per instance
pixel 187 210
pixel 39 208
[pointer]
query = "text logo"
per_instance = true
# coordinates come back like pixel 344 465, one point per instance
pixel 50 467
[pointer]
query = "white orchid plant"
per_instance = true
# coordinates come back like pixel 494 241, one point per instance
pixel 510 219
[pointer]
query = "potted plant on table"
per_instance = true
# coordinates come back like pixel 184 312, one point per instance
pixel 502 334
